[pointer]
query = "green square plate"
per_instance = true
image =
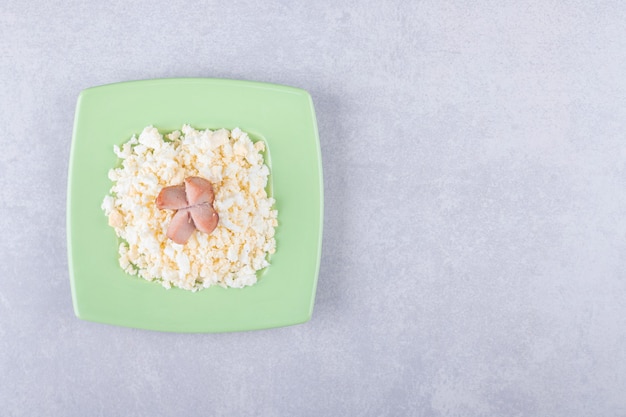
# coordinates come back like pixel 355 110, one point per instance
pixel 281 116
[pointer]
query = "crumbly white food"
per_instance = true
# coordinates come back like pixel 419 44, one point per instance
pixel 232 254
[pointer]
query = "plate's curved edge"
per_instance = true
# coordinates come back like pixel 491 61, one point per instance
pixel 193 329
pixel 68 206
pixel 321 202
pixel 200 80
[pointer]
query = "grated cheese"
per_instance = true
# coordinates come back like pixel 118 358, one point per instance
pixel 233 253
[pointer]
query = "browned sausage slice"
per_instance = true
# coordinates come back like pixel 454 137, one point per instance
pixel 181 227
pixel 172 198
pixel 198 191
pixel 204 217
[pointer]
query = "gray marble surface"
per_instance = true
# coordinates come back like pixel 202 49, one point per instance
pixel 475 233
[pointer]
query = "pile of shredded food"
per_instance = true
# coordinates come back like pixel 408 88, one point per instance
pixel 232 253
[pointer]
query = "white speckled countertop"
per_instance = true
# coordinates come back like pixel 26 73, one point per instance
pixel 474 254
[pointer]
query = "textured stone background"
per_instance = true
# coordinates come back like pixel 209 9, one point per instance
pixel 475 231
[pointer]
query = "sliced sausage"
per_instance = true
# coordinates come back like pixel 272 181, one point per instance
pixel 198 191
pixel 181 227
pixel 204 217
pixel 173 198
